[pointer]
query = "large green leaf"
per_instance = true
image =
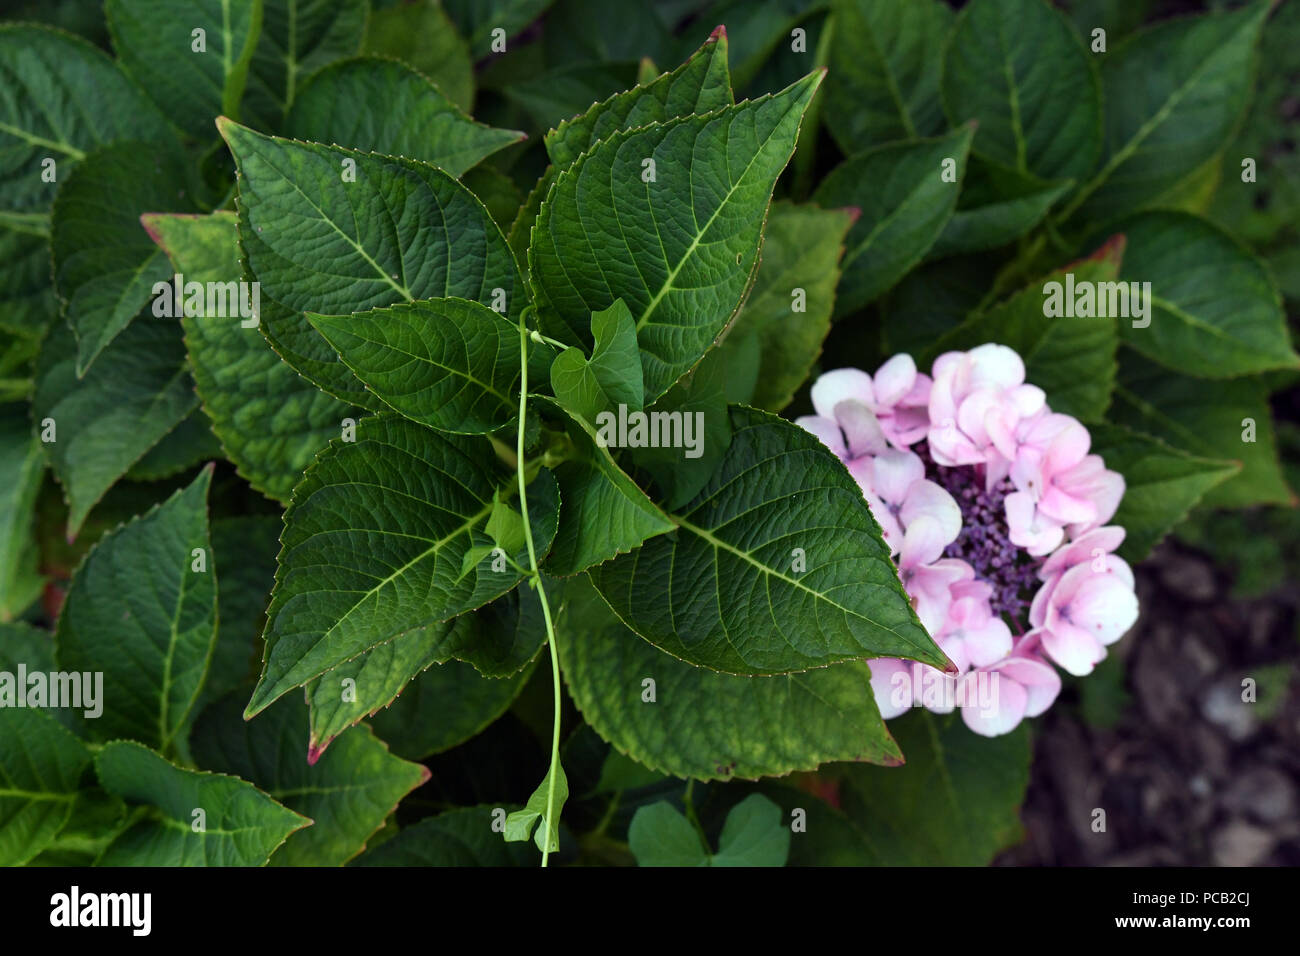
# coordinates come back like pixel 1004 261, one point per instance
pixel 1215 311
pixel 1227 420
pixel 477 20
pixel 681 250
pixel 885 60
pixel 349 792
pixel 726 594
pixel 105 266
pixel 27 300
pixel 707 725
pixel 137 392
pixel 241 825
pixel 41 765
pixel 460 837
pixel 298 38
pixel 402 231
pixel 905 200
pixel 22 468
pixel 375 542
pixel 700 85
pixel 419 33
pixel 1071 358
pixel 955 802
pixel 787 314
pixel 1018 68
pixel 451 364
pixel 60 97
pixel 142 609
pixel 271 422
pixel 337 105
pixel 602 511
pixel 156 44
pixel 1174 93
pixel 1161 484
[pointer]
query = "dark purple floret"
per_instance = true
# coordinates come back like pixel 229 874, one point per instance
pixel 984 541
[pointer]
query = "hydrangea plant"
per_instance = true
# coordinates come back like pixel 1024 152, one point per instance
pixel 435 433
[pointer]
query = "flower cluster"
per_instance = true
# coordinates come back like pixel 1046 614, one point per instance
pixel 996 516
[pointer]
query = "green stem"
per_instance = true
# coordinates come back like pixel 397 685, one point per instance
pixel 689 805
pixel 536 582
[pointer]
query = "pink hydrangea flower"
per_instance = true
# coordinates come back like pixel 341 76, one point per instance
pixel 996 512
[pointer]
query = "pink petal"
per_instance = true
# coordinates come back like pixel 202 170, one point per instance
pixel 1073 648
pixel 826 430
pixel 927 499
pixel 838 385
pixel 1081 550
pixel 989 644
pixel 993 364
pixel 893 473
pixel 1028 528
pixel 894 379
pixel 891 685
pixel 994 707
pixel 861 428
pixel 923 543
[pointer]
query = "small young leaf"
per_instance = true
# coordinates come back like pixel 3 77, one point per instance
pixel 240 825
pixel 611 377
pixel 520 824
pixel 660 836
pixel 141 610
pixel 753 835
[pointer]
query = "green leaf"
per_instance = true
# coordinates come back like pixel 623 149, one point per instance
pixel 41 765
pixel 700 85
pixel 1072 358
pixel 141 611
pixel 602 511
pixel 754 834
pixel 373 546
pixel 425 236
pixel 520 824
pixel 298 38
pixel 27 301
pixel 727 595
pixel 349 792
pixel 1174 94
pixel 1019 69
pixel 955 802
pixel 706 725
pixel 245 548
pixel 445 706
pixel 885 60
pixel 60 97
pixel 478 19
pixel 611 377
pixel 497 192
pixel 105 266
pixel 1229 420
pixel 419 33
pixel 787 314
pixel 22 469
pixel 997 205
pixel 660 836
pixel 417 121
pixel 270 421
pixel 905 204
pixel 1161 484
pixel 188 444
pixel 451 364
pixel 242 826
pixel 680 251
pixel 931 300
pixel 461 837
pixel 155 44
pixel 137 392
pixel 1214 309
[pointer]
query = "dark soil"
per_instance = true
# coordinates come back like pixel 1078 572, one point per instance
pixel 1188 773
